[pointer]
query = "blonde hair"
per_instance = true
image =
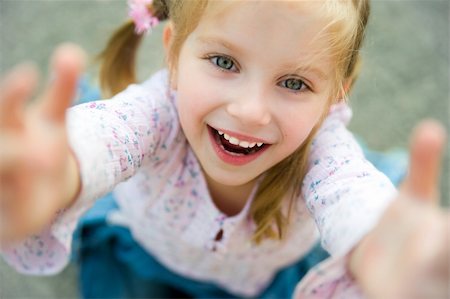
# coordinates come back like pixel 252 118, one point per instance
pixel 345 35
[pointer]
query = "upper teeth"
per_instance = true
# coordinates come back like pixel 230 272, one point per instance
pixel 235 141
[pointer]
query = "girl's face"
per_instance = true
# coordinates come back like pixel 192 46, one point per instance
pixel 252 82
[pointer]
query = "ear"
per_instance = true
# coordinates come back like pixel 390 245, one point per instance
pixel 167 37
pixel 345 89
pixel 348 85
pixel 167 43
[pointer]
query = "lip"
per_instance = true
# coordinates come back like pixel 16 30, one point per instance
pixel 236 160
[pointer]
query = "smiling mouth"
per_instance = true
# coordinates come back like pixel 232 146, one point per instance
pixel 235 147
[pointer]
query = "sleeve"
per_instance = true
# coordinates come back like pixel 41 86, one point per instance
pixel 346 196
pixel 328 280
pixel 344 192
pixel 111 139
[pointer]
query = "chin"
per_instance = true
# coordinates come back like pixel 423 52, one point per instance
pixel 229 178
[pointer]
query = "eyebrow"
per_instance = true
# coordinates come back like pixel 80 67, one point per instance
pixel 219 42
pixel 313 70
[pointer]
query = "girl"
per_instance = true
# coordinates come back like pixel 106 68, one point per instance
pixel 220 157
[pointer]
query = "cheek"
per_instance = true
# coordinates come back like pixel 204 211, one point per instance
pixel 195 99
pixel 295 135
pixel 191 96
pixel 197 86
pixel 299 123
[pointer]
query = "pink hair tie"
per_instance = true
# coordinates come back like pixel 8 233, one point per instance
pixel 143 20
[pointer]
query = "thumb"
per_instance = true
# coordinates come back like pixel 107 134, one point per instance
pixel 426 150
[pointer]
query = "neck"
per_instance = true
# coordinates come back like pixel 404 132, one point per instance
pixel 230 200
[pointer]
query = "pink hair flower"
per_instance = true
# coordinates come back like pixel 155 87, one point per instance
pixel 143 20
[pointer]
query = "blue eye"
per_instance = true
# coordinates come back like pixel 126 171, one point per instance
pixel 223 62
pixel 294 84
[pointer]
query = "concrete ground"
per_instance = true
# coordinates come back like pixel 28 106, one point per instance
pixel 405 78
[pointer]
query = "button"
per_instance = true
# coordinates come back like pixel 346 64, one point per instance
pixel 219 236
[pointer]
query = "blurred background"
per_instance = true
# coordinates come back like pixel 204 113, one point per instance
pixel 405 78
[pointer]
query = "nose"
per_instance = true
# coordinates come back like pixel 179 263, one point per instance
pixel 251 108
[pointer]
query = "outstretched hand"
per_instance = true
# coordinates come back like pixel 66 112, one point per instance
pixel 38 173
pixel 407 254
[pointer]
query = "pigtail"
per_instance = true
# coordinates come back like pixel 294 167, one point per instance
pixel 118 59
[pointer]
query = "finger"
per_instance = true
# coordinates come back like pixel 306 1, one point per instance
pixel 426 150
pixel 15 89
pixel 67 64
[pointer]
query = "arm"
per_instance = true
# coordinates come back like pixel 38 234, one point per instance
pixel 407 254
pixel 39 175
pixel 386 259
pixel 336 193
pixel 110 140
